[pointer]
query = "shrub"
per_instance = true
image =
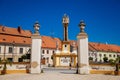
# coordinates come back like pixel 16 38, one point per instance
pixel 105 59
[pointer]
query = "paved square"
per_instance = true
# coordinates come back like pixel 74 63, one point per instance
pixel 58 75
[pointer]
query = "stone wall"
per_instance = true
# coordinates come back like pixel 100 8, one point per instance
pixel 17 67
pixel 102 68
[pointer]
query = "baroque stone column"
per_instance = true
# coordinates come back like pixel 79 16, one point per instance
pixel 36 50
pixel 82 39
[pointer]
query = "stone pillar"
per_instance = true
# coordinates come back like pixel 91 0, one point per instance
pixel 36 51
pixel 82 40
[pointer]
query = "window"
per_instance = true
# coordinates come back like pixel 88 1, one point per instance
pixel 21 50
pixel 100 55
pixel 53 51
pixel 10 49
pixel 10 59
pixel 89 53
pixel 113 55
pixel 104 55
pixel 110 55
pixel 20 60
pixel 47 51
pixel 65 45
pixel 47 59
pixel 43 51
pixel 117 55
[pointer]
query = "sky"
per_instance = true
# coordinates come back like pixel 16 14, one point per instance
pixel 102 17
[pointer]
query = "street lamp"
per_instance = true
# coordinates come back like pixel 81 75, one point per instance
pixel 36 27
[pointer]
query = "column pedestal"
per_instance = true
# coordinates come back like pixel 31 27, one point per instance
pixel 36 54
pixel 83 61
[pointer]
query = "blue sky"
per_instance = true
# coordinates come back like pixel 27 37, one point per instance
pixel 102 17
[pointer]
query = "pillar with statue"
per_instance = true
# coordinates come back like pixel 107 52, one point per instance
pixel 36 50
pixel 64 57
pixel 82 40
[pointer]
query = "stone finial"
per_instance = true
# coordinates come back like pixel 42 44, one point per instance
pixel 36 27
pixel 82 26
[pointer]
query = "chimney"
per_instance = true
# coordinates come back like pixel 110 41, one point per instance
pixel 19 29
pixel 3 28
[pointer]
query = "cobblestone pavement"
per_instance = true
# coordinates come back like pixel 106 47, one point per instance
pixel 58 75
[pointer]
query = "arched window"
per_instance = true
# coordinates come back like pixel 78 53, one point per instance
pixel 47 51
pixel 43 51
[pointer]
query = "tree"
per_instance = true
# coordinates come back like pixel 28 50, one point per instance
pixel 111 60
pixel 90 58
pixel 116 64
pixel 25 56
pixel 105 59
pixel 5 62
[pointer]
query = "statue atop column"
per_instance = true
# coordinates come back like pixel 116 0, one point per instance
pixel 65 21
pixel 82 26
pixel 36 27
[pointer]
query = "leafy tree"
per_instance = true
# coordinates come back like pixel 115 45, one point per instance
pixel 91 58
pixel 25 56
pixel 116 64
pixel 111 61
pixel 105 59
pixel 5 62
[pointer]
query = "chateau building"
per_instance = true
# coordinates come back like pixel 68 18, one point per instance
pixel 15 42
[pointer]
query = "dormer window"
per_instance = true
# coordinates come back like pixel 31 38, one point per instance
pixel 24 41
pixel 4 39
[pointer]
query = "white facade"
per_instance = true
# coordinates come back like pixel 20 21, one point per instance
pixel 13 54
pixel 98 56
pixel 47 55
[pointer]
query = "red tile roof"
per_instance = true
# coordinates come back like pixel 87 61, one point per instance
pixel 17 35
pixel 15 31
pixel 49 42
pixel 104 47
pixel 15 39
